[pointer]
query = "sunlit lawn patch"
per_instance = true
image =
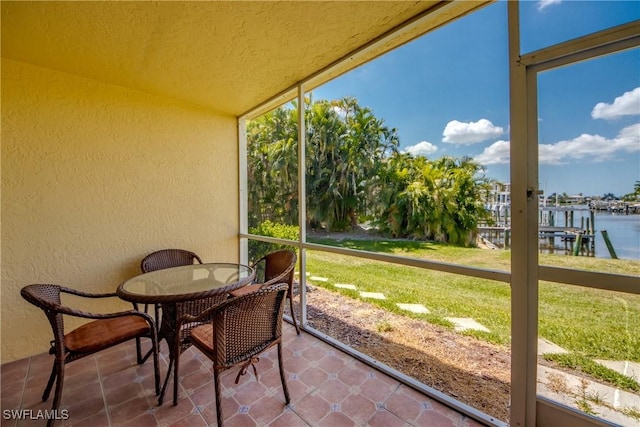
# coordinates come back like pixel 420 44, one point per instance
pixel 597 324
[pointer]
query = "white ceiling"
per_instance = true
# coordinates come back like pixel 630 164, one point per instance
pixel 225 55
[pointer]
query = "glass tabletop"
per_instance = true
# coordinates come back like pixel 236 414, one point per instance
pixel 186 282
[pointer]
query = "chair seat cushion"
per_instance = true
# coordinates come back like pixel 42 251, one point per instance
pixel 104 333
pixel 245 290
pixel 202 336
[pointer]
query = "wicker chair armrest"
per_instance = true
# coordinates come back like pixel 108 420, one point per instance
pixel 258 261
pixel 73 312
pixel 279 278
pixel 276 279
pixel 89 315
pixel 209 313
pixel 86 294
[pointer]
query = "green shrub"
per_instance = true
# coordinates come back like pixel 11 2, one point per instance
pixel 270 229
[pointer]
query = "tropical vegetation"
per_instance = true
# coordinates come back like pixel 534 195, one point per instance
pixel 635 195
pixel 355 173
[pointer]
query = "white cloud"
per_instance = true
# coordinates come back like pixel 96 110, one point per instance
pixel 543 4
pixel 629 138
pixel 422 148
pixel 495 154
pixel 591 148
pixel 627 104
pixel 470 133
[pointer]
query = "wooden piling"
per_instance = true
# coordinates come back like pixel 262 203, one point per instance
pixel 612 251
pixel 577 244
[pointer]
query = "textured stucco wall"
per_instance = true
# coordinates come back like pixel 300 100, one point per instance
pixel 94 177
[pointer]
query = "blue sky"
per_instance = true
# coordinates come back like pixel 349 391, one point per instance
pixel 447 94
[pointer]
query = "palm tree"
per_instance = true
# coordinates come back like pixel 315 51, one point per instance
pixel 346 146
pixel 353 168
pixel 439 200
pixel 272 141
pixel 323 126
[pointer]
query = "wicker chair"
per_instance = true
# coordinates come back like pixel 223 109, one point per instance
pixel 274 267
pixel 237 331
pixel 166 258
pixel 106 330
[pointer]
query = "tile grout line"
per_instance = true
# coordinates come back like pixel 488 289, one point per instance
pixel 195 407
pixel 102 393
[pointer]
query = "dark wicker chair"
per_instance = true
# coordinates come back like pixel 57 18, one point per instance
pixel 107 330
pixel 274 267
pixel 166 258
pixel 237 331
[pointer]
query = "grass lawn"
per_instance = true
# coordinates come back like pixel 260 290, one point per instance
pixel 594 324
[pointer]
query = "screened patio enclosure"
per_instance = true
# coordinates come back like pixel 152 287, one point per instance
pixel 289 126
pixel 124 131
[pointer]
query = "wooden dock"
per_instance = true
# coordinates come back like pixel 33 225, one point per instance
pixel 551 239
pixel 568 229
pixel 576 236
pixel 574 240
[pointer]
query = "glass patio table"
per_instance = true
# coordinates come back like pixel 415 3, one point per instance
pixel 189 289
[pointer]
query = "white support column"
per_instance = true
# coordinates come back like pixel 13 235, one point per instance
pixel 302 203
pixel 524 254
pixel 243 187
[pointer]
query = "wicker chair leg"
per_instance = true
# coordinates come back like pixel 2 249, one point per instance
pixel 52 378
pixel 58 395
pixel 157 314
pixel 139 357
pixel 282 376
pixel 164 385
pixel 293 314
pixel 176 363
pixel 216 382
pixel 156 368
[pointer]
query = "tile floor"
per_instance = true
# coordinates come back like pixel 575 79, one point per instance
pixel 327 388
